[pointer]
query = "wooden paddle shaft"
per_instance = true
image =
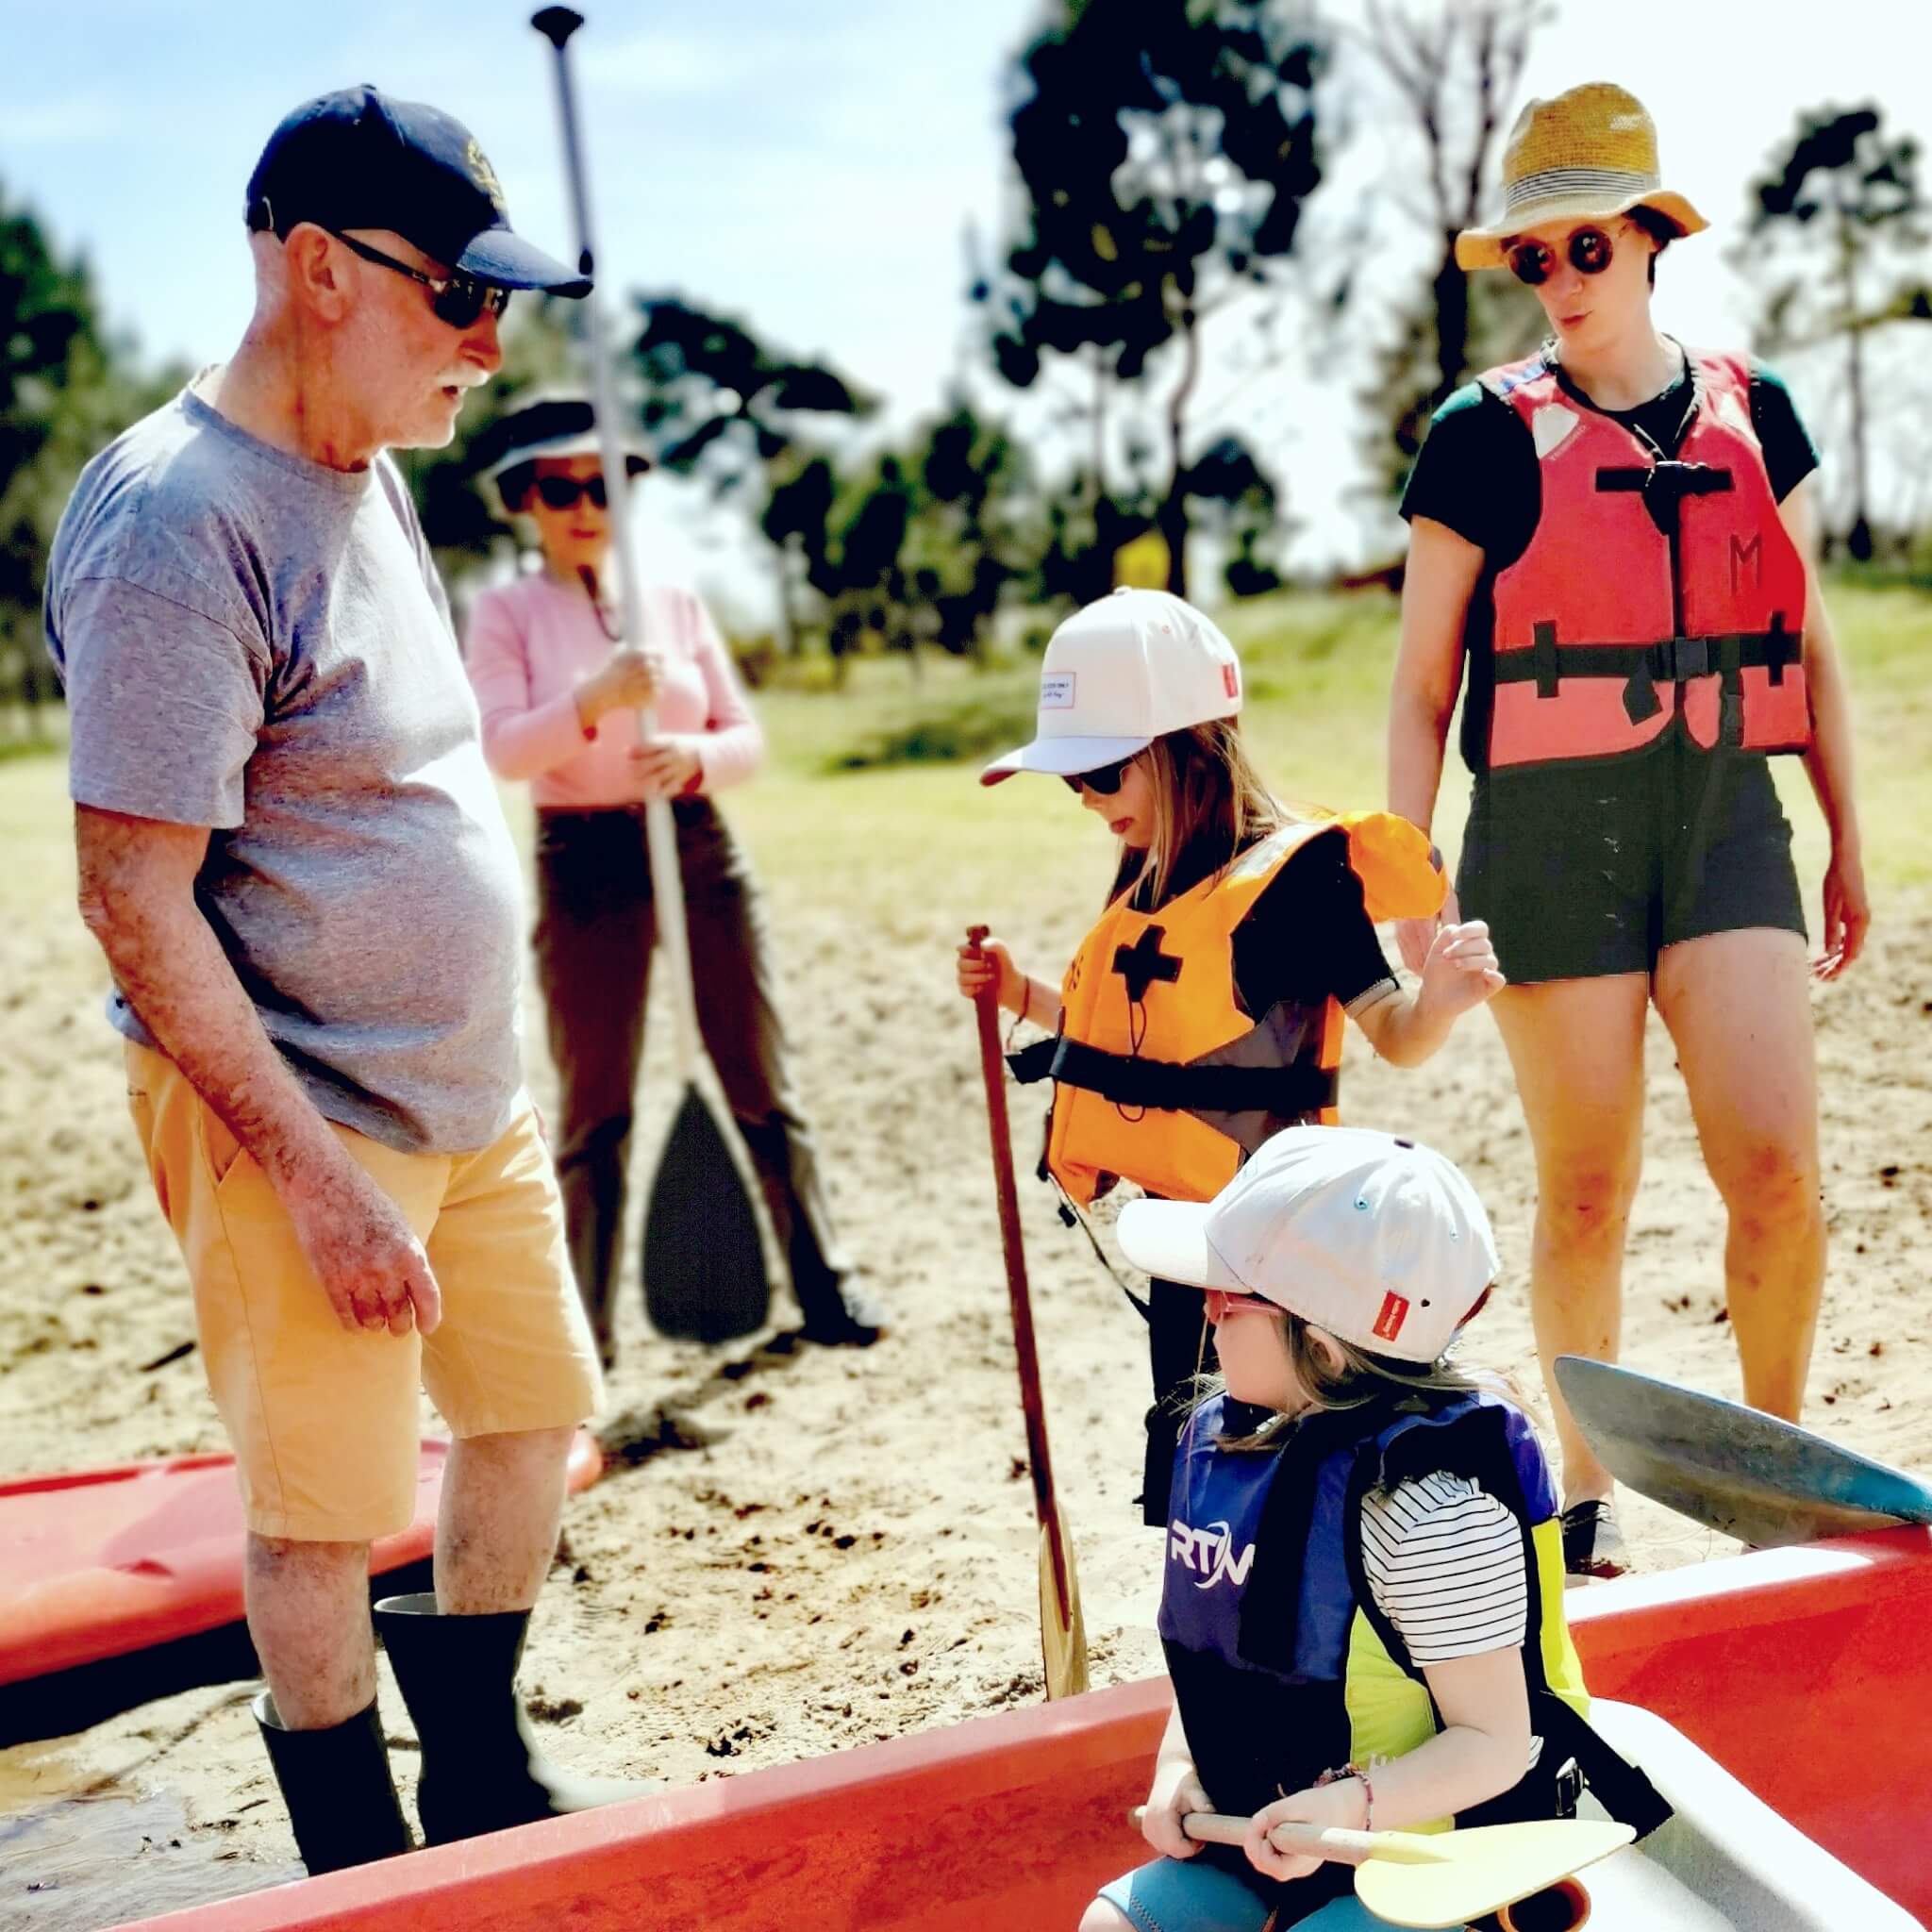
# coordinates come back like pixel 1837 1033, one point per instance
pixel 1309 1841
pixel 1560 1907
pixel 992 1069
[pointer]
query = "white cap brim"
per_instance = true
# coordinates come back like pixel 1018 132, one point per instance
pixel 586 444
pixel 1063 756
pixel 1168 1239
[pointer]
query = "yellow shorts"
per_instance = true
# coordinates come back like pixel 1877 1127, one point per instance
pixel 324 1420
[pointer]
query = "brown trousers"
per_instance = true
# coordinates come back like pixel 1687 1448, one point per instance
pixel 596 929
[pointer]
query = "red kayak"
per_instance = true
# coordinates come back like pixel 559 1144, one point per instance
pixel 1775 1699
pixel 102 1561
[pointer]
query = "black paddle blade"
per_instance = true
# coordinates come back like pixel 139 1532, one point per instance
pixel 704 1263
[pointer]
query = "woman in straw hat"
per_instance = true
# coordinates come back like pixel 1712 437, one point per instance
pixel 1619 536
pixel 560 697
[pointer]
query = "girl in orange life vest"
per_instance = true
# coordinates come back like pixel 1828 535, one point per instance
pixel 1203 1011
pixel 1618 536
pixel 1363 1599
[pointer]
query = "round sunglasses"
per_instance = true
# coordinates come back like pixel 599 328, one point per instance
pixel 1104 779
pixel 562 493
pixel 1534 262
pixel 459 300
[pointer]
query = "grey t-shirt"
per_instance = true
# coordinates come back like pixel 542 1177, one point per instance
pixel 259 644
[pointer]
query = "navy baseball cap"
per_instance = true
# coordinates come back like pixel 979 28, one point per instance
pixel 359 159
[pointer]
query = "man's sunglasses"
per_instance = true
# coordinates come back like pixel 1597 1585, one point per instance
pixel 1105 779
pixel 458 299
pixel 1534 262
pixel 561 492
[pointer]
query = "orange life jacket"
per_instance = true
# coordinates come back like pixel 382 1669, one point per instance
pixel 1652 587
pixel 1161 1077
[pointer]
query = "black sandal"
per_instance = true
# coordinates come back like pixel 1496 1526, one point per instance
pixel 1593 1544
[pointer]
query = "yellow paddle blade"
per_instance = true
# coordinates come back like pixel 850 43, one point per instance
pixel 1062 1638
pixel 1481 1869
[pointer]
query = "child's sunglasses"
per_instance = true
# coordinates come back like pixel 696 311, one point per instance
pixel 560 492
pixel 456 299
pixel 1104 779
pixel 1534 262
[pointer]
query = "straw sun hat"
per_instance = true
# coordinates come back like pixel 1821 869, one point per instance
pixel 1588 153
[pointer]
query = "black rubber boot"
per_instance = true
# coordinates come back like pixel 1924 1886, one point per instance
pixel 482 1768
pixel 337 1787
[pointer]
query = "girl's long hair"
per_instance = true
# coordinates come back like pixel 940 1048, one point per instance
pixel 1349 1378
pixel 1204 787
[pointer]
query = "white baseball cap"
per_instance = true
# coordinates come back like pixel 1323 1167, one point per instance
pixel 1119 674
pixel 1379 1240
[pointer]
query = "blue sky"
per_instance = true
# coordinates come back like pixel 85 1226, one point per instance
pixel 811 165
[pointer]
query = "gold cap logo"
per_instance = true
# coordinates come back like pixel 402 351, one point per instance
pixel 484 174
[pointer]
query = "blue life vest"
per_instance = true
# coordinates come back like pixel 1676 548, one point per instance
pixel 1282 1667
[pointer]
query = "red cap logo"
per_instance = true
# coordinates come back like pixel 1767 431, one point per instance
pixel 1394 1313
pixel 1230 681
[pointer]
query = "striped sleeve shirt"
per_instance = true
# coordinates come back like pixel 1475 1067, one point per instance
pixel 1445 1565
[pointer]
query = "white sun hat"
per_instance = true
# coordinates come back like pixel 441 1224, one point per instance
pixel 1379 1240
pixel 1118 675
pixel 550 424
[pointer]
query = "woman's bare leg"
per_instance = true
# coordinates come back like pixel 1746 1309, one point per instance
pixel 1737 1004
pixel 1577 1046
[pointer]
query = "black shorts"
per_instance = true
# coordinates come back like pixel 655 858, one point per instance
pixel 1583 871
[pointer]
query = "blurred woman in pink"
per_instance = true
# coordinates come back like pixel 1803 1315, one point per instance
pixel 558 694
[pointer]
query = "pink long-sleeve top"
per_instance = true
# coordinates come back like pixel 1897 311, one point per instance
pixel 527 645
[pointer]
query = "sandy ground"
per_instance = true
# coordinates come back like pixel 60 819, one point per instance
pixel 798 1551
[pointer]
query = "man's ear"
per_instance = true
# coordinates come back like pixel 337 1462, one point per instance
pixel 318 271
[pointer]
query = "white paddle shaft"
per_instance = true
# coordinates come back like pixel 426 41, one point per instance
pixel 660 829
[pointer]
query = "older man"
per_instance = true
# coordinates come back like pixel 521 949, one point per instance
pixel 292 854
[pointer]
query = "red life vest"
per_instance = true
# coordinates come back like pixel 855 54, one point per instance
pixel 1652 586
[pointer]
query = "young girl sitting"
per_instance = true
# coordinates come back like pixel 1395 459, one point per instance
pixel 1362 1603
pixel 1204 1012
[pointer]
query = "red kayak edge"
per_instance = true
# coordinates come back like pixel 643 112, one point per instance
pixel 111 1610
pixel 1786 1665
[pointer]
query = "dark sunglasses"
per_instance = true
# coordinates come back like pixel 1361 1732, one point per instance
pixel 456 299
pixel 1534 262
pixel 560 492
pixel 1105 779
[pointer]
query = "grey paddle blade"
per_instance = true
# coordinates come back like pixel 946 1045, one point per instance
pixel 1730 1468
pixel 704 1263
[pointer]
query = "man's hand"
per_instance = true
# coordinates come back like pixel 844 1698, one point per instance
pixel 364 1254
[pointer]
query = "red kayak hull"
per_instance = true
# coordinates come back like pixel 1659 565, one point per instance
pixel 1803 1670
pixel 99 1562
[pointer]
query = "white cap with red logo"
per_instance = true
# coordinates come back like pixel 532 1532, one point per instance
pixel 1381 1242
pixel 1119 674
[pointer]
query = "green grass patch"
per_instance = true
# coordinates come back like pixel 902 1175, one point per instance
pixel 869 800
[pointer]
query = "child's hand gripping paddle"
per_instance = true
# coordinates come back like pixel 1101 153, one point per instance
pixel 704 1260
pixel 1062 1633
pixel 1522 1877
pixel 1732 1468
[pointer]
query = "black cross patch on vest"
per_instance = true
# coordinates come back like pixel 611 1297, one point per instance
pixel 1143 962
